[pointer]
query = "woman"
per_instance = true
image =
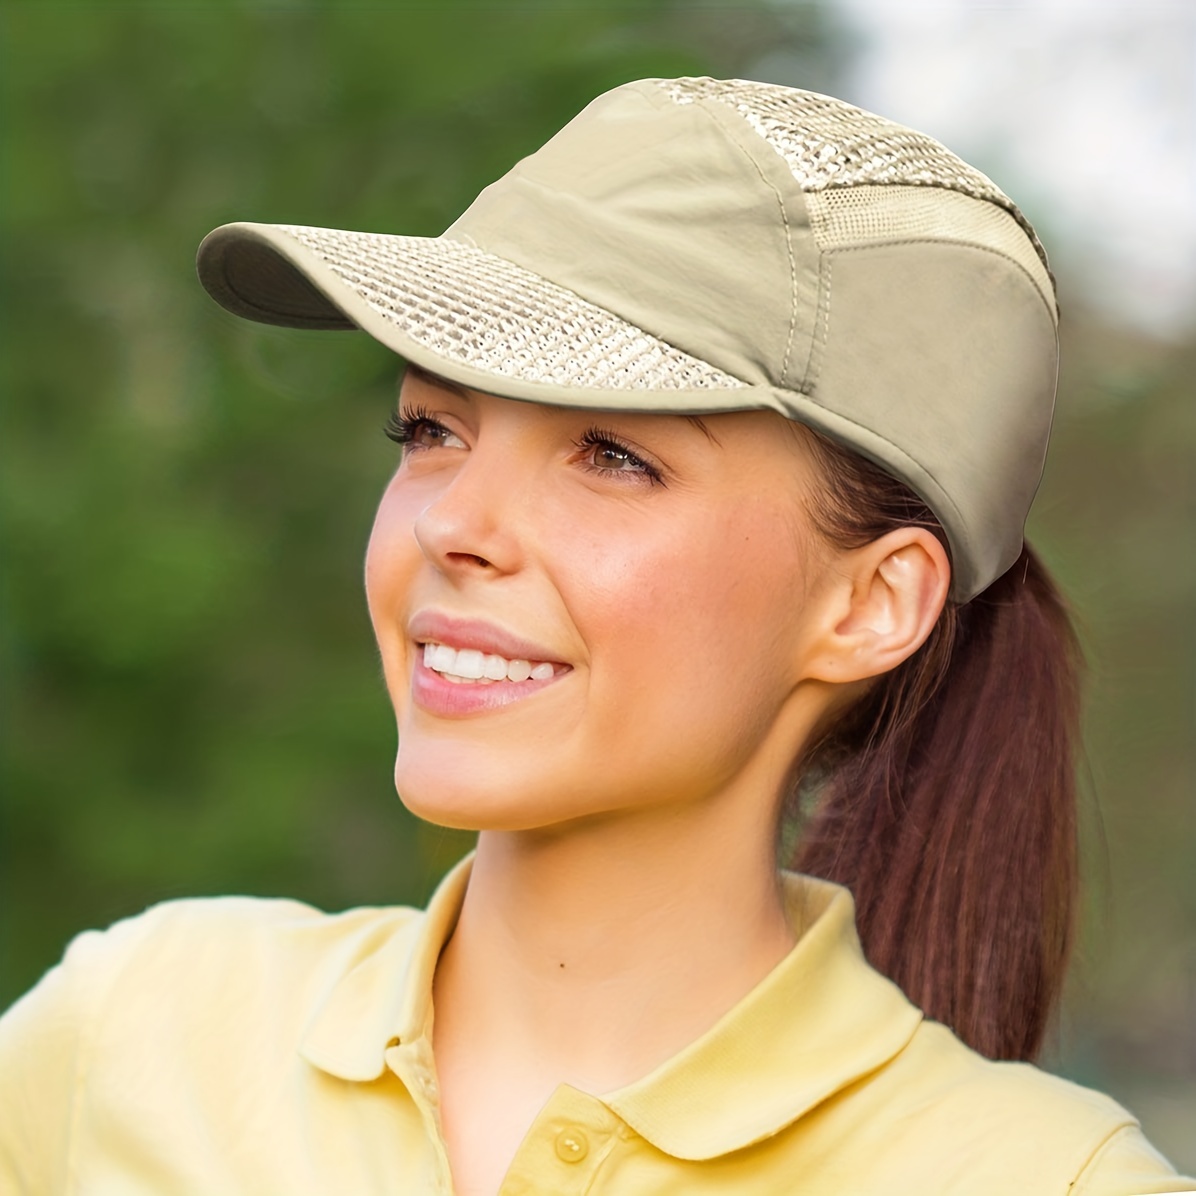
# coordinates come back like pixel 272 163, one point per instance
pixel 722 418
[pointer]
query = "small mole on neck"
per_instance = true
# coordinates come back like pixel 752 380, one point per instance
pixel 562 965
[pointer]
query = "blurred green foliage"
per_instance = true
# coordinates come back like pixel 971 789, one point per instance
pixel 192 702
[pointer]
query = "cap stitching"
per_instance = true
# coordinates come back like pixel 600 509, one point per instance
pixel 703 108
pixel 792 287
pixel 823 318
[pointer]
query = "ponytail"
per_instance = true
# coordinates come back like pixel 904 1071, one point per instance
pixel 946 798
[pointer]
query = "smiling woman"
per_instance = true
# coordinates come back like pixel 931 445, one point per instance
pixel 721 419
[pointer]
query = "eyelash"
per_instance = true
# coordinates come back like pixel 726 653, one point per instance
pixel 403 426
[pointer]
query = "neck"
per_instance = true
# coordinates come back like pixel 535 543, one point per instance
pixel 640 930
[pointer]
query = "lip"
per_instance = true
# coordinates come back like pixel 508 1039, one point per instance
pixel 432 693
pixel 475 633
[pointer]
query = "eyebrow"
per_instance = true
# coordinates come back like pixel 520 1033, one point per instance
pixel 699 423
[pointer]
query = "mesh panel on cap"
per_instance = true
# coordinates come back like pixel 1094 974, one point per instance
pixel 859 215
pixel 479 310
pixel 827 143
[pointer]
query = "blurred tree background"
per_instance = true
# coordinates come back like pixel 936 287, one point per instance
pixel 192 702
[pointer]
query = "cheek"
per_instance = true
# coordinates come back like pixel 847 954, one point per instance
pixel 392 550
pixel 725 578
pixel 391 561
pixel 694 625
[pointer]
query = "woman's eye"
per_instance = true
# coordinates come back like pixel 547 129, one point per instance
pixel 611 456
pixel 606 454
pixel 417 430
pixel 428 433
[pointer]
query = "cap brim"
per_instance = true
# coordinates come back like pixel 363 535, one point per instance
pixel 476 318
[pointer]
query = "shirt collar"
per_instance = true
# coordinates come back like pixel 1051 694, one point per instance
pixel 385 997
pixel 820 1020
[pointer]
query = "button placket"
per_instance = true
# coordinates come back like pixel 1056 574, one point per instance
pixel 412 1063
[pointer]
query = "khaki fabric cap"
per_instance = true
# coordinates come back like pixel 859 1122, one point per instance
pixel 703 245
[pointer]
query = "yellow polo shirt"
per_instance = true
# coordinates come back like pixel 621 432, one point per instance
pixel 240 1046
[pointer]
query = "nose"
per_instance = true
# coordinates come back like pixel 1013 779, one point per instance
pixel 468 528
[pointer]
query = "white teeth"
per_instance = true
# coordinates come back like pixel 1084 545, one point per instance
pixel 469 664
pixel 443 658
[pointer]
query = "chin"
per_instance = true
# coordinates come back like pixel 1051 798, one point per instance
pixel 469 799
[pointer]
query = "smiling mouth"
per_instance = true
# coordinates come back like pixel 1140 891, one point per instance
pixel 471 666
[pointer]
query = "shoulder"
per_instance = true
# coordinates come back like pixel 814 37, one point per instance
pixel 205 937
pixel 268 931
pixel 1036 1126
pixel 184 960
pixel 1020 1091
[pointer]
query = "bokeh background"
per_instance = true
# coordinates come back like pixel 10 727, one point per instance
pixel 191 700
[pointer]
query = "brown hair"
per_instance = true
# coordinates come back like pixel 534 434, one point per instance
pixel 945 799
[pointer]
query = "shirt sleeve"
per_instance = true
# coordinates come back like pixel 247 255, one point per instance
pixel 1126 1164
pixel 44 1041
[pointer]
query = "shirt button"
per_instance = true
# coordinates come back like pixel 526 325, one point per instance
pixel 572 1146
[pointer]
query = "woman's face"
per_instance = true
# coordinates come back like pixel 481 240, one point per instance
pixel 582 612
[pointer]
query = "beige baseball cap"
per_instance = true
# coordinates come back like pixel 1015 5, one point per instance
pixel 704 245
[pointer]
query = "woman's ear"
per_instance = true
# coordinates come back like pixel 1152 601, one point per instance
pixel 883 600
